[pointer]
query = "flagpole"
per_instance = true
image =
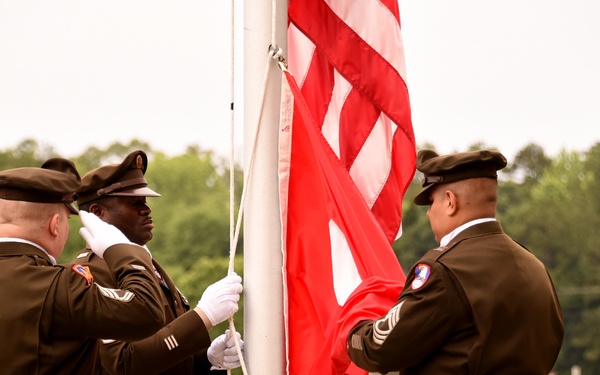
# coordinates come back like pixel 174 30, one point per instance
pixel 264 350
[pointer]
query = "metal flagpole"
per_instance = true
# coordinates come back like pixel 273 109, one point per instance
pixel 264 349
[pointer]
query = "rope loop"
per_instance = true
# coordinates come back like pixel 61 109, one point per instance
pixel 276 53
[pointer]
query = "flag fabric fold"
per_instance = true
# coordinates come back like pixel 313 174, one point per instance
pixel 339 265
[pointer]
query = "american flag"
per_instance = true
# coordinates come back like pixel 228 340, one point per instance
pixel 348 60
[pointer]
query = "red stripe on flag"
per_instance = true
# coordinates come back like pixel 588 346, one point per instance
pixel 386 208
pixel 318 86
pixel 355 126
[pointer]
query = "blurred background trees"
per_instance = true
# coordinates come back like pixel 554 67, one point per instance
pixel 549 204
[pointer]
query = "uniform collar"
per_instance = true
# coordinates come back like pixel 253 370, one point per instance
pixel 20 240
pixel 447 238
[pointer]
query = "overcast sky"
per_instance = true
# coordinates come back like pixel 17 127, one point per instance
pixel 80 73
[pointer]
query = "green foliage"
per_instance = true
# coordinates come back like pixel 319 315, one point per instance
pixel 94 157
pixel 192 216
pixel 529 163
pixel 550 205
pixel 27 154
pixel 416 237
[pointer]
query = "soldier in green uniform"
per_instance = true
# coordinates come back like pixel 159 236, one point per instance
pixel 52 315
pixel 117 194
pixel 480 303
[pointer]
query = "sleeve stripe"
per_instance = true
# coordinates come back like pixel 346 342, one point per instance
pixel 116 294
pixel 385 325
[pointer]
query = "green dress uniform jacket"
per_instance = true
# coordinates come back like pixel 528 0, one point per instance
pixel 178 348
pixel 481 305
pixel 51 315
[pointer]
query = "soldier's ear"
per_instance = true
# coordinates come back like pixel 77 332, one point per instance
pixel 97 209
pixel 53 224
pixel 450 202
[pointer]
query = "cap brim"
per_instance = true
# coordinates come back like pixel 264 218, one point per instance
pixel 422 199
pixel 137 192
pixel 72 208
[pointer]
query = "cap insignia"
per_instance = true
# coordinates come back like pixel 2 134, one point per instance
pixel 139 163
pixel 422 273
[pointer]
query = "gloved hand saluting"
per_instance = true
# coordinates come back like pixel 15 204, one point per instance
pixel 98 234
pixel 222 352
pixel 220 300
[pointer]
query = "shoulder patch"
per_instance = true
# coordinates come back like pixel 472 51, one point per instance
pixel 422 272
pixel 84 271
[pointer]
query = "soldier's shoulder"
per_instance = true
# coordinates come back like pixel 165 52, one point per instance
pixel 86 256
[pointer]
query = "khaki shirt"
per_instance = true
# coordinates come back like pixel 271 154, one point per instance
pixel 178 348
pixel 481 305
pixel 51 315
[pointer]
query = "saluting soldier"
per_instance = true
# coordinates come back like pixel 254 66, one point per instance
pixel 480 303
pixel 50 314
pixel 117 194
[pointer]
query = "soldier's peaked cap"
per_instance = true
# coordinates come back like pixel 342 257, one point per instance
pixel 443 169
pixel 56 181
pixel 117 180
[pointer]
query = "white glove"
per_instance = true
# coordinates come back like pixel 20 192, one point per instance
pixel 220 300
pixel 98 234
pixel 222 352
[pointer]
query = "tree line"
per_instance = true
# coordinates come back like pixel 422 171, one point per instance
pixel 548 204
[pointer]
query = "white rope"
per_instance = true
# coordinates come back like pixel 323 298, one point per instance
pixel 275 53
pixel 232 241
pixel 271 55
